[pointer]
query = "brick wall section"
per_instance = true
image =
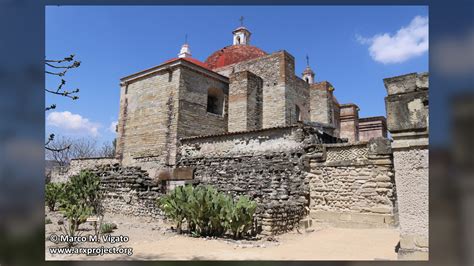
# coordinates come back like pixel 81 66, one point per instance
pixel 264 164
pixel 349 117
pixel 372 127
pixel 245 101
pixel 353 184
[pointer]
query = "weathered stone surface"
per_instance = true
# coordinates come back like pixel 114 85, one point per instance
pixel 372 127
pixel 350 183
pixel 266 165
pixel 407 116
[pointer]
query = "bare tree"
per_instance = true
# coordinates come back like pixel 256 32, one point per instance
pixel 77 148
pixel 57 153
pixel 84 148
pixel 59 68
pixel 107 149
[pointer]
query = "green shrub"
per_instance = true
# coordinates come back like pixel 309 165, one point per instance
pixel 207 211
pixel 52 194
pixel 106 228
pixel 81 199
pixel 47 221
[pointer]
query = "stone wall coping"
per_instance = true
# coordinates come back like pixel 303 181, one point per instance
pixel 406 83
pixel 347 105
pixel 235 133
pixel 346 144
pixel 93 158
pixel 373 118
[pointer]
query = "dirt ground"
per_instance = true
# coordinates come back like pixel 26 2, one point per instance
pixel 153 240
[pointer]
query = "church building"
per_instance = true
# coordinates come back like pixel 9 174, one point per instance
pixel 238 88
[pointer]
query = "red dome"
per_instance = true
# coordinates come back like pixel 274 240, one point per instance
pixel 233 54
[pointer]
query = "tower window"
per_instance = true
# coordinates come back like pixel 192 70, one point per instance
pixel 298 113
pixel 238 39
pixel 307 79
pixel 215 101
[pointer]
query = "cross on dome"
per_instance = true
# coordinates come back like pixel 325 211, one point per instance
pixel 308 74
pixel 241 34
pixel 185 50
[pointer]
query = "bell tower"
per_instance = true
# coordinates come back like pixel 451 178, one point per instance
pixel 241 34
pixel 308 74
pixel 185 50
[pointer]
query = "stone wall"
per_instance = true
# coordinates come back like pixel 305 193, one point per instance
pixel 297 95
pixel 128 190
pixel 372 127
pixel 270 69
pixel 320 102
pixel 61 174
pixel 148 118
pixel 353 184
pixel 407 120
pixel 245 101
pixel 162 105
pixel 193 118
pixel 264 164
pixel 349 119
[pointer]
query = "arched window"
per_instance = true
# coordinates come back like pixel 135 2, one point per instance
pixel 307 79
pixel 298 113
pixel 215 101
pixel 238 39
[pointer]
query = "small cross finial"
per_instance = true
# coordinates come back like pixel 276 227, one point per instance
pixel 186 38
pixel 241 20
pixel 307 60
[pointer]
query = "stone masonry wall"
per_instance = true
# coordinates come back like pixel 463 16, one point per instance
pixel 273 69
pixel 128 190
pixel 245 101
pixel 353 184
pixel 297 95
pixel 319 102
pixel 264 164
pixel 349 118
pixel 407 105
pixel 147 125
pixel 372 127
pixel 62 174
pixel 193 118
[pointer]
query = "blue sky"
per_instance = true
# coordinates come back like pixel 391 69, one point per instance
pixel 352 47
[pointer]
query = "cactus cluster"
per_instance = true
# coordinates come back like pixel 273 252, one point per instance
pixel 208 212
pixel 52 194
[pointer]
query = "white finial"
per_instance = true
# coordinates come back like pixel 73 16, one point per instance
pixel 185 51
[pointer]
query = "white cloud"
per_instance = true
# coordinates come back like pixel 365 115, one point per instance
pixel 113 126
pixel 410 41
pixel 72 123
